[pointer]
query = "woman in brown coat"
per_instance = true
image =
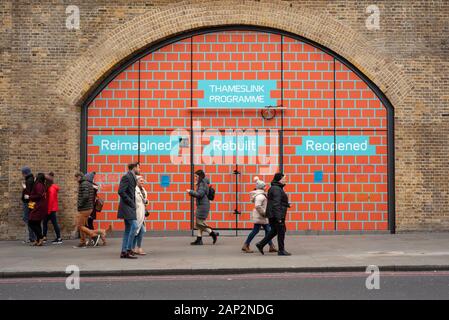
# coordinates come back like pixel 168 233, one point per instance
pixel 38 208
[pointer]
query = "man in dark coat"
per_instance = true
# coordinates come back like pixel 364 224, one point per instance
pixel 127 209
pixel 27 187
pixel 85 207
pixel 276 211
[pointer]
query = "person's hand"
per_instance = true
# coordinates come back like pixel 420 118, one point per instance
pixel 23 185
pixel 188 190
pixel 26 197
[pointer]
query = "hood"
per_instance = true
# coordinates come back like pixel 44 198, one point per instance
pixel 276 183
pixel 90 176
pixel 254 193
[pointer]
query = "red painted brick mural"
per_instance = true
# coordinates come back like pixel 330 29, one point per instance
pixel 329 134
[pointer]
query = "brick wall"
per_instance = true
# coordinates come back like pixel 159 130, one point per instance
pixel 356 200
pixel 47 71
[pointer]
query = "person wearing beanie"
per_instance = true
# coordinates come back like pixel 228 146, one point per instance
pixel 202 207
pixel 52 208
pixel 276 212
pixel 96 233
pixel 259 197
pixel 27 187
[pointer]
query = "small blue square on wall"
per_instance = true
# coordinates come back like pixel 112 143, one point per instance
pixel 318 176
pixel 165 181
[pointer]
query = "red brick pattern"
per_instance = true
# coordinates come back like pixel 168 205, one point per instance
pixel 353 193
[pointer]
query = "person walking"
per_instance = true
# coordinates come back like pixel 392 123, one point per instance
pixel 38 208
pixel 202 207
pixel 276 212
pixel 127 209
pixel 53 208
pixel 141 202
pixel 27 187
pixel 90 177
pixel 93 216
pixel 85 206
pixel 259 197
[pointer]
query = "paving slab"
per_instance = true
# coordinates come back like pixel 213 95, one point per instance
pixel 175 255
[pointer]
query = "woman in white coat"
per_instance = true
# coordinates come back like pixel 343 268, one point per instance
pixel 141 202
pixel 259 198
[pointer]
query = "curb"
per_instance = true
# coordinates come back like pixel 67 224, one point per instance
pixel 165 272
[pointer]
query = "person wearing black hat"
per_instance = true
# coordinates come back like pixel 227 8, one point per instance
pixel 27 187
pixel 276 211
pixel 202 207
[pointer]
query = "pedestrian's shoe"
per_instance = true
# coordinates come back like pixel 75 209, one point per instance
pixel 39 243
pixel 273 249
pixel 57 241
pixel 284 253
pixel 260 248
pixel 44 240
pixel 214 236
pixel 197 242
pixel 246 249
pixel 96 240
pixel 81 245
pixel 128 255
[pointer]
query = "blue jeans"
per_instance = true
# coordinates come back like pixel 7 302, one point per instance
pixel 256 230
pixel 138 238
pixel 25 217
pixel 129 234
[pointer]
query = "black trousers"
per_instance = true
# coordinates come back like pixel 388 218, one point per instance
pixel 52 217
pixel 36 227
pixel 277 229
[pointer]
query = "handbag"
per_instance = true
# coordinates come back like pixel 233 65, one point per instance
pixel 99 204
pixel 31 205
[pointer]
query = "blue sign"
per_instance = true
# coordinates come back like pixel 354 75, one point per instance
pixel 342 146
pixel 318 176
pixel 165 181
pixel 236 93
pixel 149 145
pixel 242 145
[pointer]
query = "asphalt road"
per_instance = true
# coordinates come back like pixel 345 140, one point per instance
pixel 290 286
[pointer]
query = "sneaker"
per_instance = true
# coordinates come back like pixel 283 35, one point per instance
pixel 57 241
pixel 95 240
pixel 44 240
pixel 80 245
pixel 284 253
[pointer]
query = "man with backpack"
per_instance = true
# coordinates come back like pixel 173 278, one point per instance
pixel 203 194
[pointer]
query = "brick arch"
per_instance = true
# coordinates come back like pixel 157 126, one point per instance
pixel 118 45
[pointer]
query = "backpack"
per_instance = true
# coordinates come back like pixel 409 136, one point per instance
pixel 211 193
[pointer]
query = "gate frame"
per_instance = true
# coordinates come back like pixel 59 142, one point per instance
pixel 244 27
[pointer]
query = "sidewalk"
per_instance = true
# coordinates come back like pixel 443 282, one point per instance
pixel 174 255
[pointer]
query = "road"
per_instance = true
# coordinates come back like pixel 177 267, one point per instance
pixel 393 285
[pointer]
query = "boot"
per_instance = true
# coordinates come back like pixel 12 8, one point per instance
pixel 260 248
pixel 246 249
pixel 197 242
pixel 273 248
pixel 214 236
pixel 284 253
